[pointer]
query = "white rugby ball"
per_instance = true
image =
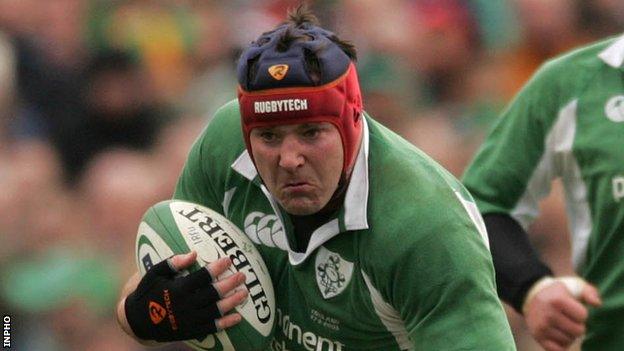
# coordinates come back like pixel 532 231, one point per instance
pixel 175 227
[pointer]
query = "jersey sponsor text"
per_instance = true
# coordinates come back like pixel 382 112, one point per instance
pixel 285 105
pixel 309 340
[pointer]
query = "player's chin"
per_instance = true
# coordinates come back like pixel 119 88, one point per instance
pixel 300 206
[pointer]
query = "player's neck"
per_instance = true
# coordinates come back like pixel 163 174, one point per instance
pixel 304 226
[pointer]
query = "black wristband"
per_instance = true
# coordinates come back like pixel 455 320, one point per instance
pixel 516 263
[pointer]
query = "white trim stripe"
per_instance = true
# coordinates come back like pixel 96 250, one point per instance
pixel 389 316
pixel 227 198
pixel 475 216
pixel 558 160
pixel 579 217
pixel 577 207
pixel 558 141
pixel 527 208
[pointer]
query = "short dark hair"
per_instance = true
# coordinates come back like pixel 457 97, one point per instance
pixel 300 17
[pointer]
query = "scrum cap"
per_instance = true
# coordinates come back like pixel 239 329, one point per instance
pixel 310 79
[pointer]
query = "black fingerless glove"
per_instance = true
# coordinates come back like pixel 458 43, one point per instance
pixel 168 308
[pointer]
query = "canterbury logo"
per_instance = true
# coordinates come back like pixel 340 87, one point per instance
pixel 157 312
pixel 265 229
pixel 278 71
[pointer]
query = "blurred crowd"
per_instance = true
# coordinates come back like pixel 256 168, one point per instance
pixel 100 101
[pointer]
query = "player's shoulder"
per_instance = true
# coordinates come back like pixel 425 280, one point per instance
pixel 226 119
pixel 221 140
pixel 411 194
pixel 586 54
pixel 581 63
pixel 224 128
pixel 399 167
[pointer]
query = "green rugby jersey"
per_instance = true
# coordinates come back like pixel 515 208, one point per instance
pixel 402 267
pixel 568 123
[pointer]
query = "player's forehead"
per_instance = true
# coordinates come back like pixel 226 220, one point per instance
pixel 295 127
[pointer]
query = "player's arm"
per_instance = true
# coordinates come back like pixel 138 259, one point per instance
pixel 516 263
pixel 128 288
pixel 199 301
pixel 163 307
pixel 555 310
pixel 205 173
pixel 439 278
pixel 553 307
pixel 450 301
pixel 512 171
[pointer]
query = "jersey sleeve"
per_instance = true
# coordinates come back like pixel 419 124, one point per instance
pixel 514 168
pixel 195 183
pixel 456 306
pixel 206 172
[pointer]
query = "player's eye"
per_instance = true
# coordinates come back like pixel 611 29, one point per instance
pixel 268 136
pixel 311 132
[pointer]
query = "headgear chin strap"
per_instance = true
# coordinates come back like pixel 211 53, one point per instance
pixel 338 102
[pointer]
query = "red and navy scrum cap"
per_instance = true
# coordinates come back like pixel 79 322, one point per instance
pixel 276 86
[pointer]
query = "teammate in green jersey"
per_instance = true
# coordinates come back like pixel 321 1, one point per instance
pixel 369 243
pixel 567 123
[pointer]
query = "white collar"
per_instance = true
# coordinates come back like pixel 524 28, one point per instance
pixel 614 54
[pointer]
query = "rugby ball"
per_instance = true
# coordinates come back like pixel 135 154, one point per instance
pixel 175 227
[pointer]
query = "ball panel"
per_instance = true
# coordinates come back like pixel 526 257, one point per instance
pixel 162 220
pixel 150 248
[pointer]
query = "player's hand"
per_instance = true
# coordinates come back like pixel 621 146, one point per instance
pixel 555 311
pixel 167 307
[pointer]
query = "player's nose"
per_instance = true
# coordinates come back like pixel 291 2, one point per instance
pixel 290 153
